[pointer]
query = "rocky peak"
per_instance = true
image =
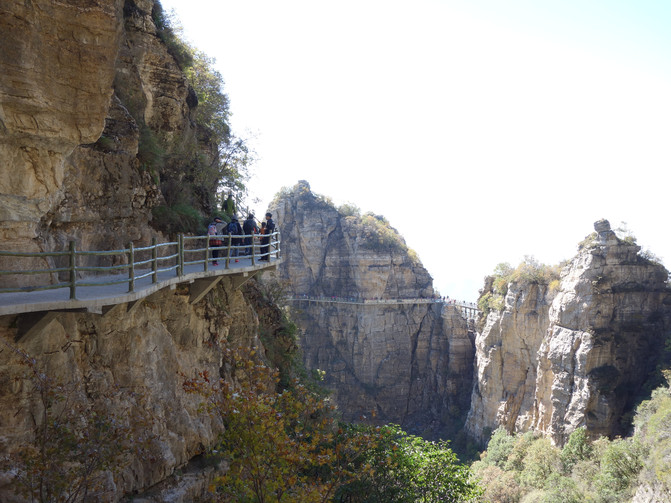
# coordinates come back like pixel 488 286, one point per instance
pixel 579 355
pixel 409 364
pixel 335 254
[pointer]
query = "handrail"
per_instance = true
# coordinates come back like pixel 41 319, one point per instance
pixel 254 246
pixel 374 301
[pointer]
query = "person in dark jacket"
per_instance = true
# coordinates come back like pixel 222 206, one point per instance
pixel 234 229
pixel 265 241
pixel 249 228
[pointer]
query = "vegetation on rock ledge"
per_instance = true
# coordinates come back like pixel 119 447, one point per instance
pixel 527 468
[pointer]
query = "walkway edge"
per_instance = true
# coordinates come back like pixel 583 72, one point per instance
pixel 96 305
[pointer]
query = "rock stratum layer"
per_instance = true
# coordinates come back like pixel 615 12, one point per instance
pixel 409 364
pixel 139 355
pixel 578 355
pixel 86 87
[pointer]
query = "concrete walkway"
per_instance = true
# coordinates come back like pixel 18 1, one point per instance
pixel 97 299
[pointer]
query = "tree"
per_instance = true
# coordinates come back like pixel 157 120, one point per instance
pixel 577 448
pixel 285 445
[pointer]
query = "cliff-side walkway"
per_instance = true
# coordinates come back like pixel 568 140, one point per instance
pixel 138 279
pixel 468 309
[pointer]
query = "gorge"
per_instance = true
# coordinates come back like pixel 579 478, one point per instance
pixel 577 349
pixel 98 135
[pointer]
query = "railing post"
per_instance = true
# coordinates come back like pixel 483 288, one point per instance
pixel 131 267
pixel 180 254
pixel 73 270
pixel 154 260
pixel 253 249
pixel 207 252
pixel 228 251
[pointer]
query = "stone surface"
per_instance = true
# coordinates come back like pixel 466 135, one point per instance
pixel 87 86
pixel 56 74
pixel 407 364
pixel 149 350
pixel 580 356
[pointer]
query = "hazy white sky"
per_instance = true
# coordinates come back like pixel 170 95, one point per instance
pixel 483 130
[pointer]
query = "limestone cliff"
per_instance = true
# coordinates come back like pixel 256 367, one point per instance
pixel 145 351
pixel 403 363
pixel 579 355
pixel 88 93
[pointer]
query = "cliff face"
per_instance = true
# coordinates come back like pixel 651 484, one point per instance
pixel 88 94
pixel 578 356
pixel 56 78
pixel 403 363
pixel 144 352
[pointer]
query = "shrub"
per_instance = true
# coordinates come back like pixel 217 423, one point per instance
pixel 180 218
pixel 349 210
pixel 166 32
pixel 578 448
pixel 498 485
pixel 540 461
pixel 499 447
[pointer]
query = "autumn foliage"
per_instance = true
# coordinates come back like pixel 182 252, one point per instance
pixel 286 445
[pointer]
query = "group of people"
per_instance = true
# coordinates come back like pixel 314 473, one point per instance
pixel 241 235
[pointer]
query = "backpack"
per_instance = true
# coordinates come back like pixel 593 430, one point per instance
pixel 233 228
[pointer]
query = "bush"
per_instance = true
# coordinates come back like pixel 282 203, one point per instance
pixel 180 218
pixel 166 32
pixel 540 461
pixel 578 448
pixel 499 486
pixel 499 447
pixel 349 210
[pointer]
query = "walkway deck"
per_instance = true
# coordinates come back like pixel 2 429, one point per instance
pixel 468 309
pixel 98 299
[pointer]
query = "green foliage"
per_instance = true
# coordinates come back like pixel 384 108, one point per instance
pixel 377 234
pixel 212 111
pixel 541 460
pixel 499 447
pixel 288 447
pixel 150 152
pixel 166 31
pixel 349 210
pixel 578 448
pixel 402 468
pixel 499 486
pixel 653 423
pixel 560 489
pixel 180 218
pixel 530 271
pixel 602 471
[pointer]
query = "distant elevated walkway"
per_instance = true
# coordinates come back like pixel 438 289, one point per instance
pixel 85 280
pixel 468 309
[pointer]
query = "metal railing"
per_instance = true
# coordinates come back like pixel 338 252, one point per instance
pixel 141 262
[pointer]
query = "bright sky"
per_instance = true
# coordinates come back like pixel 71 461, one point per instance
pixel 482 130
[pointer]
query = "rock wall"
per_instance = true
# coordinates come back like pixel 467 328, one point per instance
pixel 146 350
pixel 579 356
pixel 407 364
pixel 56 73
pixel 86 86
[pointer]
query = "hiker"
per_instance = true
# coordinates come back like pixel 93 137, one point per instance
pixel 229 205
pixel 249 228
pixel 234 229
pixel 213 230
pixel 265 241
